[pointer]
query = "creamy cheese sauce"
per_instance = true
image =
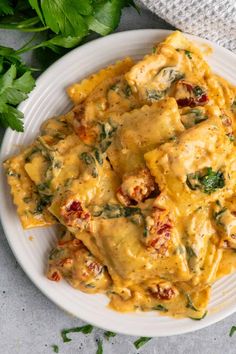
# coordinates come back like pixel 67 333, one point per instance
pixel 141 177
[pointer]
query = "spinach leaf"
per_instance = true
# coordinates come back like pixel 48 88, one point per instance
pixel 155 95
pixel 207 180
pixel 160 308
pixel 113 211
pixel 87 158
pixel 199 318
pixel 190 304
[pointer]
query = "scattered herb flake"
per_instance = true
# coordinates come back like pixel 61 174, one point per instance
pixel 55 348
pixel 232 330
pixel 141 341
pixel 84 329
pixel 109 334
pixel 100 348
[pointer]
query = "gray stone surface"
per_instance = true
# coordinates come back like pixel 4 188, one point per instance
pixel 30 323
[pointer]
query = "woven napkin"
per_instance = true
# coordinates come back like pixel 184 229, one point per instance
pixel 211 19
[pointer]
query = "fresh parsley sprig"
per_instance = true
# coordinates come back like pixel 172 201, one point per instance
pixel 16 81
pixel 65 23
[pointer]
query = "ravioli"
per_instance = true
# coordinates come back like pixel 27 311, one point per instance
pixel 140 175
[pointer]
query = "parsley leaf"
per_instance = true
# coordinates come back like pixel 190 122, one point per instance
pixel 100 348
pixel 232 330
pixel 84 329
pixel 64 16
pixel 5 7
pixel 13 90
pixel 106 16
pixel 141 341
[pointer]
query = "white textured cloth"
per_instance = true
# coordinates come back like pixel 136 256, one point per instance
pixel 211 19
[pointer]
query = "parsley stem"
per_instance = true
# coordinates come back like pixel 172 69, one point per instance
pixel 27 43
pixel 25 26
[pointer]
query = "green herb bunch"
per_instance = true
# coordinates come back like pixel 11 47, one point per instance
pixel 65 25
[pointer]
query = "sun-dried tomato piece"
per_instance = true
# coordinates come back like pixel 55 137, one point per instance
pixel 136 188
pixel 95 267
pixel 158 228
pixel 190 95
pixel 74 214
pixel 55 276
pixel 163 292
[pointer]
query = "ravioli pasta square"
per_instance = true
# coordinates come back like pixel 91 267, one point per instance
pixel 140 175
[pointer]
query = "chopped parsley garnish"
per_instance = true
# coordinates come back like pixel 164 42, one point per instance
pixel 190 304
pixel 55 348
pixel 199 318
pixel 232 330
pixel 160 308
pixel 141 341
pixel 206 180
pixel 100 348
pixel 84 329
pixel 109 334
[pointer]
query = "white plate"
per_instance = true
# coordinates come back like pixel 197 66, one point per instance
pixel 48 99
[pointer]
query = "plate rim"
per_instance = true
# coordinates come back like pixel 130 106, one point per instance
pixel 216 317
